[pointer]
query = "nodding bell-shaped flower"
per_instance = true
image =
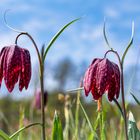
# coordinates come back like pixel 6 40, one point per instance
pixel 37 100
pixel 102 76
pixel 15 65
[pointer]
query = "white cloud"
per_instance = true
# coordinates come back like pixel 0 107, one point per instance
pixel 92 33
pixel 111 12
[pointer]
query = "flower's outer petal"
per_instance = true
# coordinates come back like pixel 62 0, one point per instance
pixel 95 93
pixel 111 90
pixel 12 66
pixel 114 81
pixel 108 79
pixel 102 76
pixel 89 77
pixel 25 75
pixel 2 55
pixel 117 80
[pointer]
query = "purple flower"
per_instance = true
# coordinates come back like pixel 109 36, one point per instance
pixel 102 76
pixel 37 101
pixel 15 65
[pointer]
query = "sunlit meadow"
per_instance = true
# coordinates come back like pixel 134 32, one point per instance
pixel 75 94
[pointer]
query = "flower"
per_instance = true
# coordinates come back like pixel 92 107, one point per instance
pixel 15 65
pixel 102 76
pixel 37 101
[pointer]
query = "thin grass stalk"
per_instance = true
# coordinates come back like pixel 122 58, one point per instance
pixel 123 102
pixel 42 97
pixel 77 113
pixel 77 116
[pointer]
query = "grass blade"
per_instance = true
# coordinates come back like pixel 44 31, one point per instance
pixel 137 101
pixel 57 132
pixel 119 107
pixel 105 37
pixel 129 44
pixel 77 115
pixel 56 36
pixel 21 119
pixel 90 125
pixel 23 128
pixel 4 135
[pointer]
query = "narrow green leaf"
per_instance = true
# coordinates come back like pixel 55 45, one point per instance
pixel 129 44
pixel 57 132
pixel 91 137
pixel 103 132
pixel 133 131
pixel 75 90
pixel 89 123
pixel 119 107
pixel 21 119
pixel 56 36
pixel 4 135
pixel 97 122
pixel 77 114
pixel 137 101
pixel 105 37
pixel 115 134
pixel 23 128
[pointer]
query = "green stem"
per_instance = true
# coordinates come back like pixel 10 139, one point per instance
pixel 77 115
pixel 23 128
pixel 122 90
pixel 123 101
pixel 41 64
pixel 42 100
pixel 89 123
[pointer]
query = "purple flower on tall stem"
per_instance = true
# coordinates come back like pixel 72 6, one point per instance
pixel 102 76
pixel 15 65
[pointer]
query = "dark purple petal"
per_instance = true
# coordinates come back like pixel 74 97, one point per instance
pixel 12 66
pixel 95 93
pixel 111 90
pixel 2 55
pixel 102 76
pixel 25 75
pixel 89 77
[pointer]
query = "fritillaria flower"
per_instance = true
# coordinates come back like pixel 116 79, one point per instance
pixel 102 76
pixel 37 101
pixel 15 65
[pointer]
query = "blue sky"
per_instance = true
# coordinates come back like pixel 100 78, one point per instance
pixel 83 40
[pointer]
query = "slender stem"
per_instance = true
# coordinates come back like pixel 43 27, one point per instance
pixel 123 101
pixel 77 111
pixel 42 100
pixel 99 104
pixel 31 38
pixel 122 90
pixel 115 52
pixel 23 128
pixel 41 64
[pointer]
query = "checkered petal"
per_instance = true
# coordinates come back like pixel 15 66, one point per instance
pixel 89 77
pixel 15 65
pixel 102 76
pixel 25 74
